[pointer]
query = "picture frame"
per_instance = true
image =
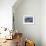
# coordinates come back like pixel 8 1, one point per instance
pixel 28 19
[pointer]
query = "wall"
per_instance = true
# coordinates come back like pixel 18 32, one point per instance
pixel 30 31
pixel 43 22
pixel 6 13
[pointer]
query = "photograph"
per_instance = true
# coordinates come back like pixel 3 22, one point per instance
pixel 22 22
pixel 28 19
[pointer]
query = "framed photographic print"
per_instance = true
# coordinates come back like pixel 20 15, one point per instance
pixel 28 19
